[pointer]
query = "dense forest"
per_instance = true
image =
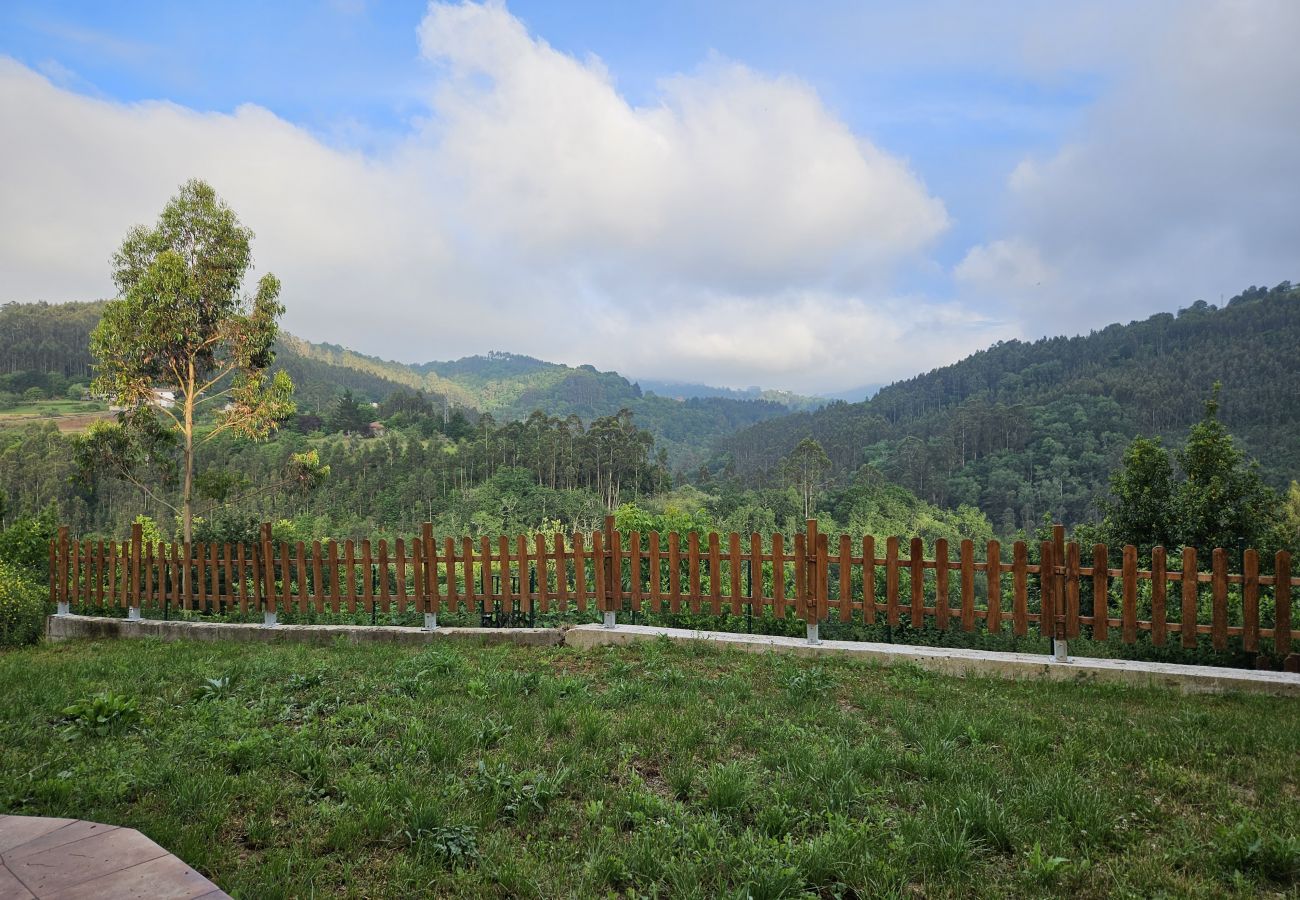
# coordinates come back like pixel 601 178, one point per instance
pixel 1025 430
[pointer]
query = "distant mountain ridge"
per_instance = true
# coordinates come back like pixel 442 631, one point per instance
pixel 685 390
pixel 511 386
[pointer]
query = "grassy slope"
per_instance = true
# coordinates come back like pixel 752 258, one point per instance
pixel 68 415
pixel 678 771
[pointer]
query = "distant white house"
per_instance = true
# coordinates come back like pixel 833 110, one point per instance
pixel 159 397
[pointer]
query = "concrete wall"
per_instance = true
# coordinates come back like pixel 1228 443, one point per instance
pixel 949 661
pixel 61 628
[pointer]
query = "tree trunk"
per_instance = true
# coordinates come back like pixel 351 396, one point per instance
pixel 187 495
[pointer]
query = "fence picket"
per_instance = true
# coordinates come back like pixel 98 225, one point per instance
pixel 733 563
pixel 674 572
pixel 715 573
pixel 869 579
pixel 1159 582
pixel 1282 603
pixel 579 573
pixel 916 563
pixel 801 577
pixel 1046 589
pixel 1187 617
pixel 993 569
pixel 634 568
pixel 385 597
pixel 1020 588
pixel 778 574
pixel 1100 592
pixel 543 574
pixel 367 577
pixel 942 611
pixel 561 574
pixel 846 578
pixel 1250 601
pixel 967 585
pixel 693 570
pixel 1130 593
pixel 891 581
pixel 656 585
pixel 300 552
pixel 1219 595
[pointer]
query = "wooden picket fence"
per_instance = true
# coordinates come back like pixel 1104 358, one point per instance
pixel 809 576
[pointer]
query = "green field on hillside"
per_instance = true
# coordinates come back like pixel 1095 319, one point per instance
pixel 373 771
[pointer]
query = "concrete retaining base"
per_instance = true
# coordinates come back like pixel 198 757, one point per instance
pixel 61 628
pixel 951 661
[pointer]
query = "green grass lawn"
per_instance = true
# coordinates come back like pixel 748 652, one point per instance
pixel 654 770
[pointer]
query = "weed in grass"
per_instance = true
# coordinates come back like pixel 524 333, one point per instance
pixel 636 808
pixel 478 689
pixel 515 796
pixel 681 779
pixel 940 846
pixel 808 684
pixel 491 732
pixel 985 818
pixel 558 721
pixel 777 819
pixel 245 753
pixel 299 682
pixel 103 714
pixel 1042 866
pixel 425 831
pixel 1244 849
pixel 213 689
pixel 727 788
pixel 590 727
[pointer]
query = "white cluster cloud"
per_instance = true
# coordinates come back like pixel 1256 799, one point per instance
pixel 533 210
pixel 1181 183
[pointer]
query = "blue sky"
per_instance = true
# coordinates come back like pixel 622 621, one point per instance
pixel 1005 148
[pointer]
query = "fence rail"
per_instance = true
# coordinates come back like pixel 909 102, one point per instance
pixel 810 576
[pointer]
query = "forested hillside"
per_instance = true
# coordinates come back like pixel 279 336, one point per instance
pixel 1027 429
pixel 41 338
pixel 511 387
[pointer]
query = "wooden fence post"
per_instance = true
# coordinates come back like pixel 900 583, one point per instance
pixel 812 598
pixel 606 563
pixel 64 605
pixel 1060 648
pixel 268 574
pixel 133 599
pixel 429 586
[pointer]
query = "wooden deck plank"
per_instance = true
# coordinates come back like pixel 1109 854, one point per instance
pixel 59 859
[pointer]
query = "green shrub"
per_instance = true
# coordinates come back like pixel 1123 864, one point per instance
pixel 22 608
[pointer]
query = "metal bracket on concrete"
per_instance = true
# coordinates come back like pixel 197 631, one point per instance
pixel 64 610
pixel 268 619
pixel 610 620
pixel 813 637
pixel 430 621
pixel 1060 650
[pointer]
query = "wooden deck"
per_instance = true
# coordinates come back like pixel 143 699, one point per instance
pixel 45 859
